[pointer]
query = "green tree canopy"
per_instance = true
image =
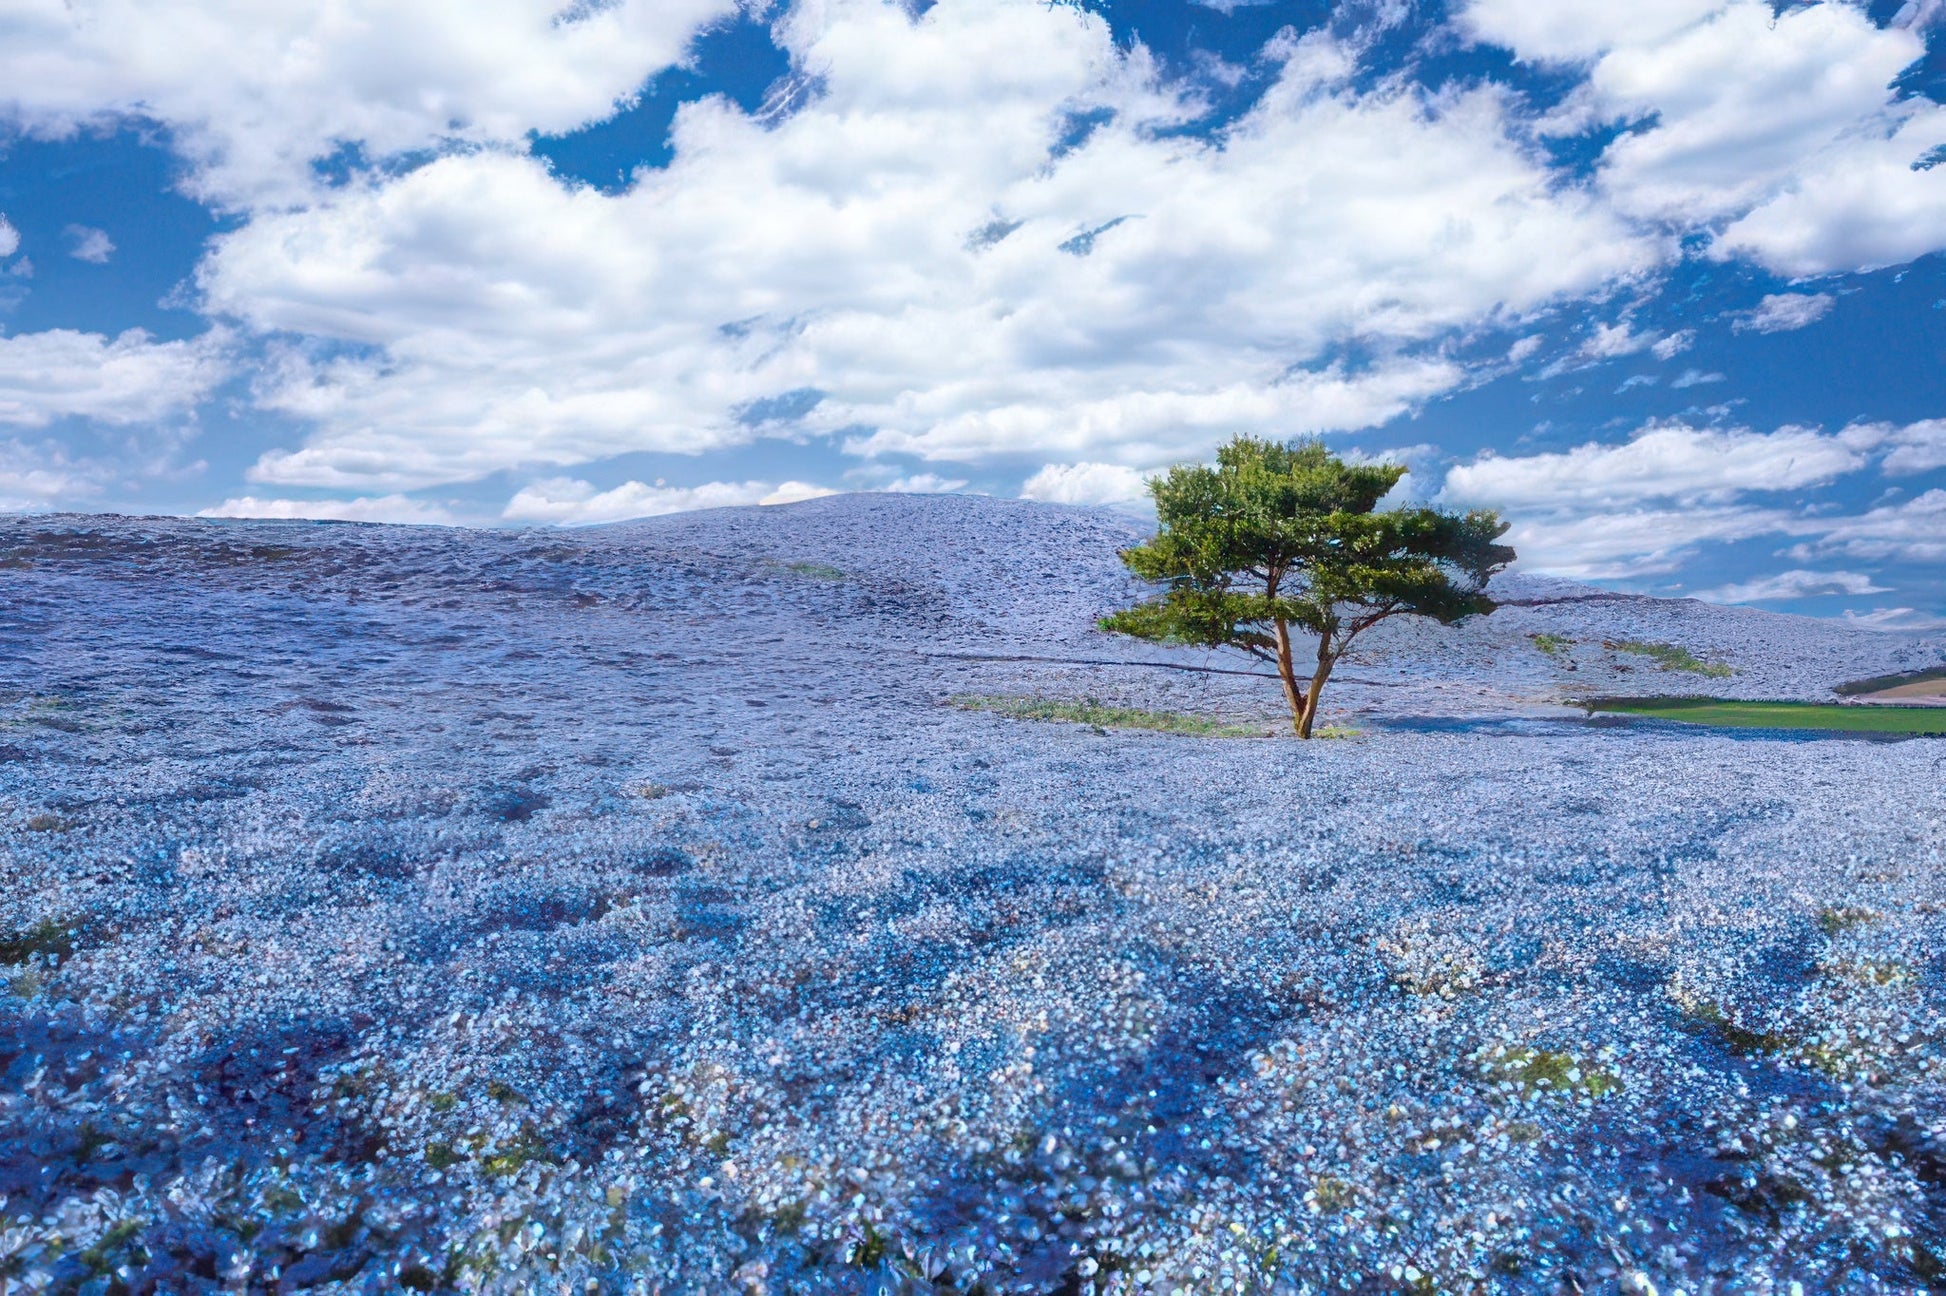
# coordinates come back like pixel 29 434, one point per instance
pixel 1279 538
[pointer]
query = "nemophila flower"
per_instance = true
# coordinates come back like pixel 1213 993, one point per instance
pixel 435 998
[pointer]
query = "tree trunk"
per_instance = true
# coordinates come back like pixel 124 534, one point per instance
pixel 1326 660
pixel 1288 673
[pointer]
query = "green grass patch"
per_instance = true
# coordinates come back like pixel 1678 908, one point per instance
pixel 810 570
pixel 1835 922
pixel 1088 711
pixel 513 1157
pixel 1781 715
pixel 1671 657
pixel 1736 1036
pixel 1330 1194
pixel 1530 1071
pixel 1552 644
pixel 44 937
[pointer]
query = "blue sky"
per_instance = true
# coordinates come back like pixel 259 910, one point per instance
pixel 1660 280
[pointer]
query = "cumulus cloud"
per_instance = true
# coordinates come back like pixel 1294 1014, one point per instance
pixel 384 508
pixel 1608 341
pixel 1605 342
pixel 1645 505
pixel 254 94
pixel 904 244
pixel 9 237
pixel 565 501
pixel 128 379
pixel 1674 345
pixel 86 243
pixel 1794 584
pixel 1565 31
pixel 1913 530
pixel 1895 620
pixel 1919 14
pixel 1872 202
pixel 1915 448
pixel 1606 545
pixel 1784 124
pixel 885 477
pixel 923 484
pixel 39 476
pixel 1906 450
pixel 979 232
pixel 1783 312
pixel 1673 462
pixel 1085 483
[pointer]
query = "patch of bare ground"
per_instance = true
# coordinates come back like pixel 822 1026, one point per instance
pixel 1929 692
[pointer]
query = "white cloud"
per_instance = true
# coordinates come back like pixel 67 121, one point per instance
pixel 1783 124
pixel 1916 448
pixel 385 508
pixel 1674 345
pixel 1609 341
pixel 39 476
pixel 1148 425
pixel 905 243
pixel 1604 342
pixel 85 243
pixel 1919 14
pixel 46 474
pixel 885 477
pixel 1911 531
pixel 1782 312
pixel 1085 483
pixel 1643 506
pixel 923 484
pixel 1694 378
pixel 1895 620
pixel 565 501
pixel 1740 101
pixel 1858 206
pixel 1563 31
pixel 62 373
pixel 1633 542
pixel 1661 463
pixel 9 237
pixel 1793 585
pixel 255 93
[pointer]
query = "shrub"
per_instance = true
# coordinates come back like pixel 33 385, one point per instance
pixel 1671 657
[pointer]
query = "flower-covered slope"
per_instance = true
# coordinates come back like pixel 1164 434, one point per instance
pixel 389 907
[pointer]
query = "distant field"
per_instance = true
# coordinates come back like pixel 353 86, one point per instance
pixel 1782 715
pixel 1911 684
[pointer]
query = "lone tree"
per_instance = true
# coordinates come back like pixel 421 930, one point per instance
pixel 1283 538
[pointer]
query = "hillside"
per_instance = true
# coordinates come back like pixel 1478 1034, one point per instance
pixel 504 910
